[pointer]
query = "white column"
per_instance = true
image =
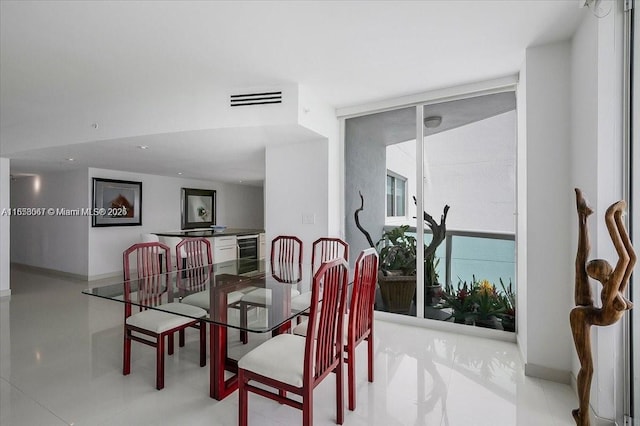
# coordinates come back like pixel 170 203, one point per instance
pixel 5 257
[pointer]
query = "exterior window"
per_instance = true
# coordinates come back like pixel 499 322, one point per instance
pixel 396 195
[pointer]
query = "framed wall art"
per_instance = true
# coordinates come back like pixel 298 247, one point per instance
pixel 198 208
pixel 116 203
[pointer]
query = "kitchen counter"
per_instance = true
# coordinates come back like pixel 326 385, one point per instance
pixel 203 232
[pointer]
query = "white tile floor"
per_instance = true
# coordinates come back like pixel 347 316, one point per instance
pixel 60 363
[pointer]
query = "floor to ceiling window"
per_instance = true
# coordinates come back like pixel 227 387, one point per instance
pixel 466 162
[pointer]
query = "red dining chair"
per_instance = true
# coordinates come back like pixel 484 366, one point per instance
pixel 152 288
pixel 323 249
pixel 286 267
pixel 359 322
pixel 193 252
pixel 327 248
pixel 288 363
pixel 286 249
pixel 195 263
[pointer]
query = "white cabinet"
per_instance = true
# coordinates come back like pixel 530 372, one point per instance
pixel 224 248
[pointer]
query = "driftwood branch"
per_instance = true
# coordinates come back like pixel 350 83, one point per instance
pixel 439 230
pixel 356 213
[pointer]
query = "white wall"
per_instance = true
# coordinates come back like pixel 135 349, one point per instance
pixel 51 241
pixel 471 168
pixel 297 186
pixel 569 100
pixel 548 203
pixel 5 227
pixel 69 244
pixel 238 206
pixel 597 169
pixel 316 115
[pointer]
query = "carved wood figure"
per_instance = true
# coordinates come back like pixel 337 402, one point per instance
pixel 614 282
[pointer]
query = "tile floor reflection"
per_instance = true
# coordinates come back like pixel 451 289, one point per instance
pixel 61 360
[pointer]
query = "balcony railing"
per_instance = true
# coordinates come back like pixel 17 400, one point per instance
pixel 466 256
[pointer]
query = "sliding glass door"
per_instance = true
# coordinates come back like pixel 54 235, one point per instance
pixel 433 186
pixel 380 179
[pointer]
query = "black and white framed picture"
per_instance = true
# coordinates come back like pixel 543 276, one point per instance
pixel 198 208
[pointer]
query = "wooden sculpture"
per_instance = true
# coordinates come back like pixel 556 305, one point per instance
pixel 614 282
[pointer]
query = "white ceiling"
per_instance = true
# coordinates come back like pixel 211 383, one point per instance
pixel 60 60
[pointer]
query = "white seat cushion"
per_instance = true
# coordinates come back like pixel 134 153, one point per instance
pixel 301 302
pixel 202 299
pixel 159 322
pixel 280 358
pixel 262 296
pixel 199 299
pixel 183 309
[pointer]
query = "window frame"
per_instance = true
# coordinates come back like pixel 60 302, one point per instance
pixel 395 176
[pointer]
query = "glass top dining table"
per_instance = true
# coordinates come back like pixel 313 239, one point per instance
pixel 221 289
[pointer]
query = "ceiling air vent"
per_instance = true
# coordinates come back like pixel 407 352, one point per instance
pixel 256 99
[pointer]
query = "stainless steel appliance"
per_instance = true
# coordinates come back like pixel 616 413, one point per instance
pixel 248 246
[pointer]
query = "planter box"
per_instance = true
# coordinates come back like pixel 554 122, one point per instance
pixel 397 292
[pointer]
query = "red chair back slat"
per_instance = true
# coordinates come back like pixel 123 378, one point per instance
pixel 326 248
pixel 286 249
pixel 325 352
pixel 363 295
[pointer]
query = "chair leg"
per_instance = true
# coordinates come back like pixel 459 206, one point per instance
pixel 160 360
pixel 181 338
pixel 307 407
pixel 339 396
pixel 370 355
pixel 203 343
pixel 244 338
pixel 351 377
pixel 126 356
pixel 170 340
pixel 243 400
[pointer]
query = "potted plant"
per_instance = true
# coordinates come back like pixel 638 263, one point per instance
pixel 397 250
pixel 508 317
pixel 460 301
pixel 432 288
pixel 397 275
pixel 488 305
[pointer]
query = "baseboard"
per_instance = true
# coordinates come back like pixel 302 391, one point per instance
pixel 64 274
pixel 5 293
pixel 48 271
pixel 107 276
pixel 450 327
pixel 546 373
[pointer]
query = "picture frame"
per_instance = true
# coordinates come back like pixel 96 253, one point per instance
pixel 198 208
pixel 116 203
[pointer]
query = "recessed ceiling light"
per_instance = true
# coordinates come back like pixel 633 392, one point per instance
pixel 71 159
pixel 143 146
pixel 179 173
